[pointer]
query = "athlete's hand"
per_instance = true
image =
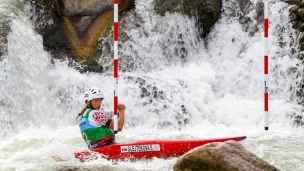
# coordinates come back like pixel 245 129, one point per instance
pixel 121 107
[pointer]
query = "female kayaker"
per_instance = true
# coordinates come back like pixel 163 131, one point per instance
pixel 96 127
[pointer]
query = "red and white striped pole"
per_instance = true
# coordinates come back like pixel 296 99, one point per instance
pixel 266 62
pixel 115 37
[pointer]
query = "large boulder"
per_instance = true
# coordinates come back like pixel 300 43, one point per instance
pixel 222 156
pixel 206 12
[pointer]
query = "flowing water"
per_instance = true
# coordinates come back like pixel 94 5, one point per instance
pixel 175 86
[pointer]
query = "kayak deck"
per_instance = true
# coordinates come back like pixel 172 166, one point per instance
pixel 148 149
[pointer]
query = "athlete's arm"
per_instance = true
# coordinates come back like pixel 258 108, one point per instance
pixel 121 119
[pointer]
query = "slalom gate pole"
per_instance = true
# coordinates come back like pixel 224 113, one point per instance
pixel 115 38
pixel 266 62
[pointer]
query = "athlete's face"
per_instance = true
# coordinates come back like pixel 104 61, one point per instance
pixel 96 103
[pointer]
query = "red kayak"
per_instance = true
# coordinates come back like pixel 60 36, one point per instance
pixel 147 149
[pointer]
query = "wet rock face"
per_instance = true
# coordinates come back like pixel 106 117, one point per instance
pixel 49 25
pixel 84 7
pixel 296 16
pixel 251 22
pixel 72 28
pixel 222 156
pixel 4 30
pixel 205 12
pixel 292 2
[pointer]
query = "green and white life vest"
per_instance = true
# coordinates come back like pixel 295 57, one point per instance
pixel 94 126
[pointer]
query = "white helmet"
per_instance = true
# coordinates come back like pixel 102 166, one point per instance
pixel 93 93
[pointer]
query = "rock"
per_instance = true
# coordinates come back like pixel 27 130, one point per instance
pixel 293 8
pixel 293 17
pixel 222 156
pixel 4 30
pixel 301 13
pixel 84 7
pixel 205 12
pixel 295 25
pixel 301 28
pixel 298 120
pixel 301 37
pixel 72 28
pixel 49 25
pixel 302 4
pixel 246 17
pixel 3 45
pixel 302 46
pixel 292 2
